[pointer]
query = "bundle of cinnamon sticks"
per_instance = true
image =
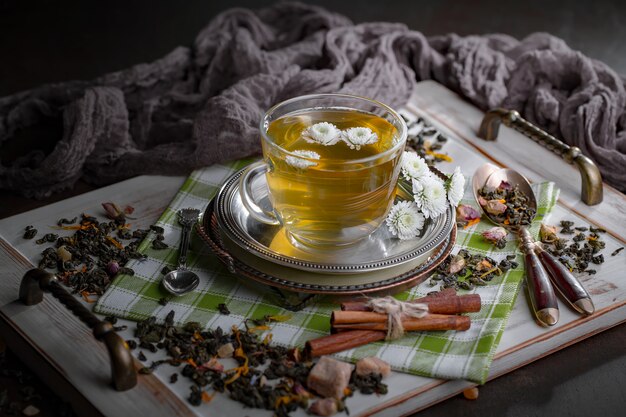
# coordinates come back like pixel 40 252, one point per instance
pixel 356 325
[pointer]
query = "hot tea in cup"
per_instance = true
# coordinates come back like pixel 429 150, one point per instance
pixel 332 163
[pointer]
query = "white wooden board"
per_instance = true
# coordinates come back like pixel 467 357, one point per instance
pixel 56 335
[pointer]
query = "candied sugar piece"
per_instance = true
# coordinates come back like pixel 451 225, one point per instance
pixel 226 351
pixel 324 407
pixel 329 377
pixel 372 365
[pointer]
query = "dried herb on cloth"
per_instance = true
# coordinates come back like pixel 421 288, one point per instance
pixel 506 204
pixel 580 250
pixel 265 376
pixel 465 271
pixel 426 141
pixel 87 260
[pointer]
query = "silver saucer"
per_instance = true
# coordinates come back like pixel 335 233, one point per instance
pixel 379 251
pixel 295 287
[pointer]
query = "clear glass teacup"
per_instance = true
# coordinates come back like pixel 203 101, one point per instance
pixel 331 163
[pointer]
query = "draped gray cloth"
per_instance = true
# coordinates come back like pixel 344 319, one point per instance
pixel 201 104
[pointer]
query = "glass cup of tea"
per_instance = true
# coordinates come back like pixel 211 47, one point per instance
pixel 331 163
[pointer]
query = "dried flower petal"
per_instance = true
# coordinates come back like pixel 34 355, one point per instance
pixel 324 407
pixel 483 265
pixel 113 212
pixel 112 268
pixel 505 185
pixel 457 263
pixel 496 235
pixel 299 390
pixel 547 233
pixel 213 365
pixel 64 254
pixel 495 207
pixel 466 213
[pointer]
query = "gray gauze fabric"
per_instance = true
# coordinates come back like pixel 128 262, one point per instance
pixel 202 104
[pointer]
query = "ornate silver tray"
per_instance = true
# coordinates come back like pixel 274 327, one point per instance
pixel 379 251
pixel 288 282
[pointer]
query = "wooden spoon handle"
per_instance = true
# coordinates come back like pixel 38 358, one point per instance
pixel 570 288
pixel 542 296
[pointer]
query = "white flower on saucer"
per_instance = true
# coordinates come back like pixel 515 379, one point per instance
pixel 413 166
pixel 455 186
pixel 405 220
pixel 355 137
pixel 294 161
pixel 430 196
pixel 323 133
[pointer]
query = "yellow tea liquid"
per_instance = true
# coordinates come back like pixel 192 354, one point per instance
pixel 340 197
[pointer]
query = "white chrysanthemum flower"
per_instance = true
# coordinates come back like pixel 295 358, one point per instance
pixel 405 220
pixel 323 133
pixel 413 166
pixel 300 162
pixel 455 186
pixel 355 137
pixel 430 196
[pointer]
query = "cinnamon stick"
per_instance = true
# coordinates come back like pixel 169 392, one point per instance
pixel 344 340
pixel 436 304
pixel 430 322
pixel 361 305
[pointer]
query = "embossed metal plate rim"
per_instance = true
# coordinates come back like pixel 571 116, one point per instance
pixel 228 224
pixel 209 231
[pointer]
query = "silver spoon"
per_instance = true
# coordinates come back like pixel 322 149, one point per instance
pixel 181 281
pixel 540 291
pixel 568 286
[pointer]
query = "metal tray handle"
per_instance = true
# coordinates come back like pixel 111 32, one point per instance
pixel 591 191
pixel 36 281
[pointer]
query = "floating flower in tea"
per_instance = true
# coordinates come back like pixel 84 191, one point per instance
pixel 355 137
pixel 323 133
pixel 405 220
pixel 302 163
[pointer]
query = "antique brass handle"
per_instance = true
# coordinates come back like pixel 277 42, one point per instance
pixel 36 281
pixel 591 191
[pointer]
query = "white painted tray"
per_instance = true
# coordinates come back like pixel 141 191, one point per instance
pixel 49 337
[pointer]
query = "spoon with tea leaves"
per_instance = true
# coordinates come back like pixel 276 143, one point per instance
pixel 486 185
pixel 181 281
pixel 522 203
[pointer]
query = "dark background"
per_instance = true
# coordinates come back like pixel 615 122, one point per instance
pixel 53 40
pixel 47 41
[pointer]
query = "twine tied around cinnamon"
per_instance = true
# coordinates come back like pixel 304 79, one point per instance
pixel 395 310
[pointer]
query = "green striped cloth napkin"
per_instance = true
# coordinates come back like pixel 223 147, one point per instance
pixel 450 355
